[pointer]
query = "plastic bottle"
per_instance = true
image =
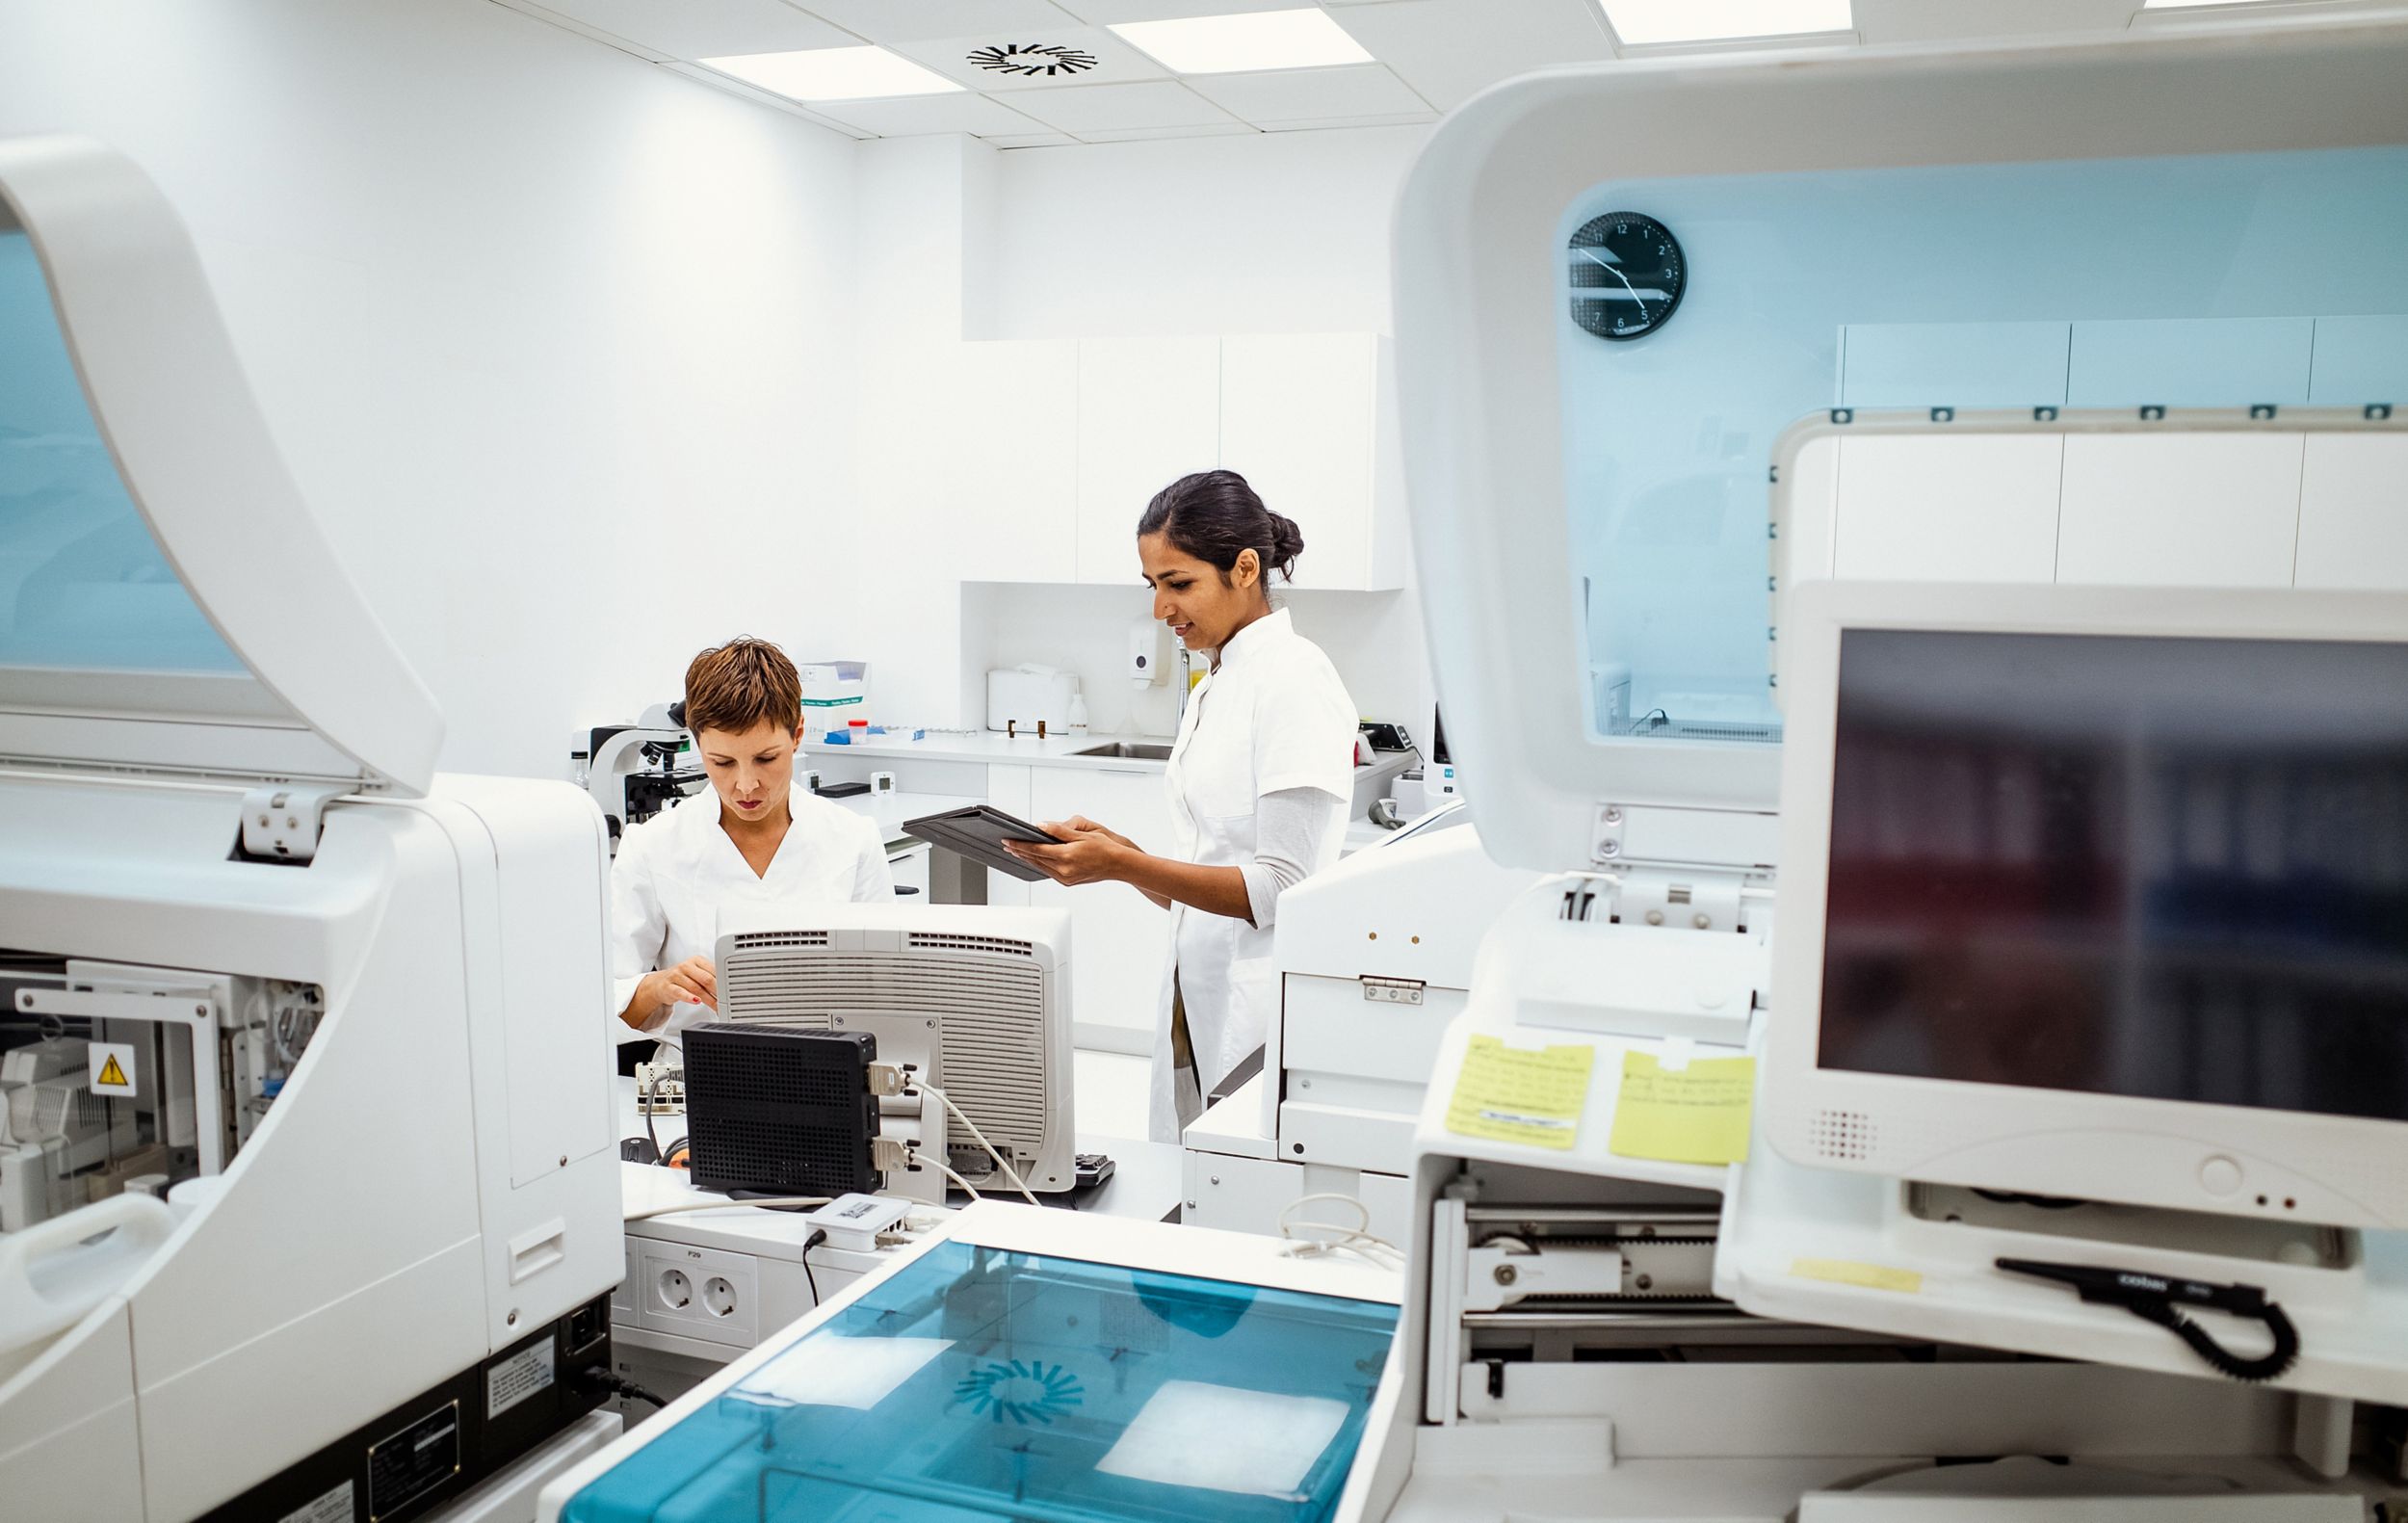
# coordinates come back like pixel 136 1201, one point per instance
pixel 1078 712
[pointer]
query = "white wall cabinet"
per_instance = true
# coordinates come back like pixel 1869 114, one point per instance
pixel 1036 457
pixel 1117 937
pixel 1149 413
pixel 1002 428
pixel 1308 420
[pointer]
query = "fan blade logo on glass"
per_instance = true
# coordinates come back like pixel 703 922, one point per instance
pixel 1022 1392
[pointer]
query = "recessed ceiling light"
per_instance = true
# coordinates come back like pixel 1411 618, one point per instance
pixel 1649 23
pixel 2190 5
pixel 835 73
pixel 1260 39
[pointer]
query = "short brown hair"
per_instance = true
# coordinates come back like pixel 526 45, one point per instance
pixel 736 686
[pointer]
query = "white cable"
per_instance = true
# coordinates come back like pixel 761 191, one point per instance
pixel 1001 1162
pixel 724 1205
pixel 1357 1240
pixel 969 1189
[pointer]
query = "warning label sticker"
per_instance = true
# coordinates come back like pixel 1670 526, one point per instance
pixel 513 1379
pixel 336 1507
pixel 111 1064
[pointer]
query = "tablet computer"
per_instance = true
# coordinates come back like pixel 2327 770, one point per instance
pixel 979 833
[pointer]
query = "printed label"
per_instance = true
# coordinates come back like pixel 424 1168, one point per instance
pixel 414 1461
pixel 517 1378
pixel 336 1507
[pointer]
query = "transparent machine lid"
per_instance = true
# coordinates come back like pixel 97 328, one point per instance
pixel 984 1386
pixel 83 584
pixel 168 601
pixel 1701 316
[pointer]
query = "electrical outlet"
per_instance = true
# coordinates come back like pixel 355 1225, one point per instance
pixel 700 1293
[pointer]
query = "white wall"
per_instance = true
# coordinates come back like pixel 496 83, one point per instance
pixel 1275 232
pixel 559 345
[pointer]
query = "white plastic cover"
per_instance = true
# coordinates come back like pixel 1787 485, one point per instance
pixel 167 600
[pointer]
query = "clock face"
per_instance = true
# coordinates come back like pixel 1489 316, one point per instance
pixel 1626 274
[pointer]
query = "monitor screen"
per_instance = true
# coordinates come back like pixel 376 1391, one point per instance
pixel 2151 867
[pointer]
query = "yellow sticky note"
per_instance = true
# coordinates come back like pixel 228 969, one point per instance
pixel 1871 1276
pixel 1512 1094
pixel 1698 1114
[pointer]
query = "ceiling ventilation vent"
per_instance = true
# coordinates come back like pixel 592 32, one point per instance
pixel 1032 60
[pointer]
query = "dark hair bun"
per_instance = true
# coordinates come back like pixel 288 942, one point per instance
pixel 1287 542
pixel 1215 517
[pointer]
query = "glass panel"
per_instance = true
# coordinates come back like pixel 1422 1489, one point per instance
pixel 982 1386
pixel 82 582
pixel 2193 281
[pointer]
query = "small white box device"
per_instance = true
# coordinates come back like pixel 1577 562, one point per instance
pixel 853 1223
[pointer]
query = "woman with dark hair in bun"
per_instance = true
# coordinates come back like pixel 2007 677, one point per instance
pixel 1259 783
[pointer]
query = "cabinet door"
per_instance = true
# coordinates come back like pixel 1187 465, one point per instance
pixel 1005 423
pixel 1149 413
pixel 1117 937
pixel 1299 421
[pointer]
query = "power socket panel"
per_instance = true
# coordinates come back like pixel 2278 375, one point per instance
pixel 698 1293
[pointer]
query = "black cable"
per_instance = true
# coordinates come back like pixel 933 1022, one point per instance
pixel 2266 1367
pixel 819 1235
pixel 608 1380
pixel 2018 1197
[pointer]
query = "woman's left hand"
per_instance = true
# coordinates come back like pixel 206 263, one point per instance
pixel 1088 853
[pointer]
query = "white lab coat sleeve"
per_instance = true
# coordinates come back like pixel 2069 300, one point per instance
pixel 873 880
pixel 1304 729
pixel 639 927
pixel 1290 828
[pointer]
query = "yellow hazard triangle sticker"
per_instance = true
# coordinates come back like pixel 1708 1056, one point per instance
pixel 110 1073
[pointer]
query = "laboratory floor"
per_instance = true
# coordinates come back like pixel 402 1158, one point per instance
pixel 1108 1091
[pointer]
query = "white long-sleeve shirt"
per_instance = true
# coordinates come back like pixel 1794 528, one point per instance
pixel 678 871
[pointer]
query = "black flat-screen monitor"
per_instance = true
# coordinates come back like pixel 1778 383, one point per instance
pixel 2152 867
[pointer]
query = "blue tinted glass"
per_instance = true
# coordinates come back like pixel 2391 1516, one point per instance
pixel 82 582
pixel 981 1386
pixel 2220 281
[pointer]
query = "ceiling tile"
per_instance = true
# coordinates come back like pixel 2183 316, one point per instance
pixel 1033 139
pixel 753 92
pixel 1449 49
pixel 704 28
pixel 1115 62
pixel 891 21
pixel 1111 12
pixel 1408 119
pixel 1234 129
pixel 1932 20
pixel 1310 95
pixel 1089 108
pixel 915 115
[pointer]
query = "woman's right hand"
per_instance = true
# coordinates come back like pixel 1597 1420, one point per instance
pixel 1080 824
pixel 692 982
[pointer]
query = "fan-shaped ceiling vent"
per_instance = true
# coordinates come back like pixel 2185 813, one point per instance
pixel 1032 60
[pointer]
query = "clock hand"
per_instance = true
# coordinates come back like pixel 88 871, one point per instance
pixel 1616 270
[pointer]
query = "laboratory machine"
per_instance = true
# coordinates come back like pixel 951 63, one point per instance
pixel 1027 1364
pixel 636 770
pixel 1375 959
pixel 1949 1066
pixel 261 960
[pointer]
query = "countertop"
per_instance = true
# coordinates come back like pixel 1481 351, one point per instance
pixel 994 748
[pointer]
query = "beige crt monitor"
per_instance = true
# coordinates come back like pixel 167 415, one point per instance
pixel 2098 892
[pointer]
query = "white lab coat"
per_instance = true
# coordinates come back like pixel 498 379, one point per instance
pixel 677 872
pixel 1272 716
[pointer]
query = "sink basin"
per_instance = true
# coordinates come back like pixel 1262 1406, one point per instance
pixel 1127 750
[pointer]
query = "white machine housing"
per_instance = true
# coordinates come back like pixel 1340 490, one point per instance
pixel 2329 1169
pixel 435 1179
pixel 1375 963
pixel 1541 1279
pixel 976 998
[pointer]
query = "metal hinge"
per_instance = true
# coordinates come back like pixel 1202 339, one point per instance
pixel 1393 991
pixel 282 820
